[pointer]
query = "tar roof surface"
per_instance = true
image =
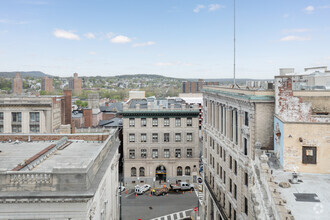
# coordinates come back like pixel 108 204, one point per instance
pixel 311 183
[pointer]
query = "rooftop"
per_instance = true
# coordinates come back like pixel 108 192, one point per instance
pixel 309 198
pixel 76 155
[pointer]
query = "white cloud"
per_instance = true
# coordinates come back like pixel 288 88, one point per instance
pixel 66 34
pixel 297 30
pixel 214 7
pixel 149 43
pixel 324 7
pixel 309 9
pixel 295 38
pixel 286 15
pixel 92 53
pixel 198 8
pixel 90 35
pixel 120 39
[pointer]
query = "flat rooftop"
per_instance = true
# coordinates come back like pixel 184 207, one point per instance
pixel 310 198
pixel 78 154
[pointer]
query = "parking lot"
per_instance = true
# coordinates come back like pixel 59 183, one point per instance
pixel 148 207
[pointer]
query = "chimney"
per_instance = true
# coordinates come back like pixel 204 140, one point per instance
pixel 107 104
pixel 68 106
pixel 88 117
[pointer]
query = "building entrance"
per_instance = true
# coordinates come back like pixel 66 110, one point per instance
pixel 161 173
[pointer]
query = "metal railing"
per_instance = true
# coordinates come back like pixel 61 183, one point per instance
pixel 222 212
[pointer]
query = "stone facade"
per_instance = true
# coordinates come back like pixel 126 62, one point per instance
pixel 160 143
pixel 66 191
pixel 236 123
pixel 30 114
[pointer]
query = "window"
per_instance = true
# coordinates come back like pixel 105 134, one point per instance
pixel 177 137
pixel 16 117
pixel 246 206
pixel 230 185
pixel 132 154
pixel 133 171
pixel 220 152
pixel 154 153
pixel 246 118
pixel 220 172
pixel 167 153
pixel 189 122
pixel 246 179
pixel 218 168
pixel 189 153
pixel 187 171
pixel 166 137
pixel 1 122
pixel 143 122
pixel 309 155
pixel 16 128
pixel 143 137
pixel 218 148
pixel 166 122
pixel 224 155
pixel 179 171
pixel 154 122
pixel 154 137
pixel 245 147
pixel 235 167
pixel 235 191
pixel 177 122
pixel 143 153
pixel 141 171
pixel 189 137
pixel 224 177
pixel 34 122
pixel 131 137
pixel 230 162
pixel 178 153
pixel 34 117
pixel 132 122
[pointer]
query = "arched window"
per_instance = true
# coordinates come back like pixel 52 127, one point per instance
pixel 141 171
pixel 187 171
pixel 133 171
pixel 179 171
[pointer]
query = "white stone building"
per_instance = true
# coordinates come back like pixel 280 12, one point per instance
pixel 54 177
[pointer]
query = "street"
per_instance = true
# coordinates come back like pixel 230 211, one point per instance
pixel 147 207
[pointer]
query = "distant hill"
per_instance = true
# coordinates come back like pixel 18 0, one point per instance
pixel 35 74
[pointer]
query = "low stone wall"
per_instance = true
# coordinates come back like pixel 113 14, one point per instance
pixel 53 137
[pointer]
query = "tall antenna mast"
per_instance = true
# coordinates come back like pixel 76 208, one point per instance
pixel 234 44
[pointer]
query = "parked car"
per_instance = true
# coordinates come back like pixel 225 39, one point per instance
pixel 160 191
pixel 182 186
pixel 121 188
pixel 145 187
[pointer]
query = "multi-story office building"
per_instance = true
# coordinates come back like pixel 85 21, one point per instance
pixel 75 84
pixel 196 86
pixel 160 141
pixel 236 122
pixel 51 176
pixel 47 84
pixel 33 114
pixel 17 85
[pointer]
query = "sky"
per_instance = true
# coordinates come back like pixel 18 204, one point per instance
pixel 176 38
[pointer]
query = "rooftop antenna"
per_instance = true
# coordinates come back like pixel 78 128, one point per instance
pixel 234 44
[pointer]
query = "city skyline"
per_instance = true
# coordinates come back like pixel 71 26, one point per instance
pixel 182 39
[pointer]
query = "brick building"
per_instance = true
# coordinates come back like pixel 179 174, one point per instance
pixel 196 86
pixel 75 84
pixel 47 84
pixel 17 85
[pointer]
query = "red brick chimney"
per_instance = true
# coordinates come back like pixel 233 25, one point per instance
pixel 68 106
pixel 88 117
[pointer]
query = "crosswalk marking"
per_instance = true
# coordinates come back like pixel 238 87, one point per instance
pixel 175 216
pixel 199 196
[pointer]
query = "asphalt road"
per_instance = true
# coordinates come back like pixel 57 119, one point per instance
pixel 147 207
